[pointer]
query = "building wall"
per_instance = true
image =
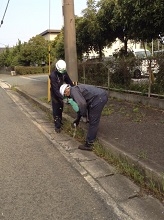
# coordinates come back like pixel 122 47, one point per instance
pixel 117 45
pixel 50 34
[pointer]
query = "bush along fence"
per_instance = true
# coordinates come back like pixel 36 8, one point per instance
pixel 119 75
pixel 24 70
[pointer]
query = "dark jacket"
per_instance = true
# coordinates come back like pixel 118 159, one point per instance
pixel 56 80
pixel 86 96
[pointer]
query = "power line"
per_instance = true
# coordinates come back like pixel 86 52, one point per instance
pixel 4 13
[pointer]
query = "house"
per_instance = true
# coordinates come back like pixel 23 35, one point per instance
pixel 117 45
pixel 50 34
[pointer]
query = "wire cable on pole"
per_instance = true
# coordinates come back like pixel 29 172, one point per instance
pixel 4 13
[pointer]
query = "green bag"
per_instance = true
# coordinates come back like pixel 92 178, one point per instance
pixel 73 104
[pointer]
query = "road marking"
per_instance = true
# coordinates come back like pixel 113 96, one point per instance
pixel 4 85
pixel 30 78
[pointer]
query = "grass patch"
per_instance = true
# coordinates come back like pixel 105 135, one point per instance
pixel 79 134
pixel 142 155
pixel 131 171
pixel 135 109
pixel 44 99
pixel 13 88
pixel 107 110
pixel 121 165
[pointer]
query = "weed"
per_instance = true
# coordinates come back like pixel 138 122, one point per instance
pixel 137 119
pixel 13 88
pixel 129 170
pixel 136 109
pixel 122 110
pixel 152 186
pixel 44 99
pixel 69 129
pixel 107 111
pixel 142 155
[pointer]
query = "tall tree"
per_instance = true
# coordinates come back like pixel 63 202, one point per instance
pixel 92 32
pixel 38 47
pixel 58 46
pixel 140 20
pixel 105 18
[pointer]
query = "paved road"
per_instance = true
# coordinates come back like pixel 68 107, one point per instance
pixel 28 83
pixel 36 181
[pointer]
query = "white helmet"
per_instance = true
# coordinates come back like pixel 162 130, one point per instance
pixel 62 88
pixel 61 66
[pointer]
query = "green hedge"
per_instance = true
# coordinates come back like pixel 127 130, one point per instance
pixel 24 70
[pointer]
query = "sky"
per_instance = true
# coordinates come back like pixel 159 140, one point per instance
pixel 25 19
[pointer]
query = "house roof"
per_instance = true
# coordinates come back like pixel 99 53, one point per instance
pixel 50 31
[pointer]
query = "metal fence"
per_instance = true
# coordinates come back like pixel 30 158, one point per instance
pixel 95 73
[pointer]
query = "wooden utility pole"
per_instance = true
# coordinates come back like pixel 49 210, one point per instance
pixel 70 39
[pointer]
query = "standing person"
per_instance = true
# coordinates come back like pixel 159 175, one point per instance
pixel 91 100
pixel 57 78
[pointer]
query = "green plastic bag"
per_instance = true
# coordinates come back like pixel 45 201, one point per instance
pixel 73 104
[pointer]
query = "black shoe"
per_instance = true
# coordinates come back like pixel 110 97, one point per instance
pixel 58 130
pixel 86 146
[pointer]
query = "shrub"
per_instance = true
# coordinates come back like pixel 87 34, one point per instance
pixel 94 73
pixel 24 70
pixel 159 85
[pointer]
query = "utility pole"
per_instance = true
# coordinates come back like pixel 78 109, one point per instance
pixel 49 59
pixel 70 39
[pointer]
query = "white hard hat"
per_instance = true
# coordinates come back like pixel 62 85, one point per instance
pixel 62 88
pixel 61 66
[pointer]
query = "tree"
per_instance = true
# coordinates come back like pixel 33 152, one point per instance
pixel 105 18
pixel 25 55
pixel 34 52
pixel 141 20
pixel 82 37
pixel 5 58
pixel 92 34
pixel 58 46
pixel 38 48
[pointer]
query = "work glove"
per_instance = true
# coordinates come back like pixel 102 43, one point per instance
pixel 73 104
pixel 77 120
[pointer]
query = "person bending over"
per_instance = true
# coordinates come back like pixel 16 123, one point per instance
pixel 90 100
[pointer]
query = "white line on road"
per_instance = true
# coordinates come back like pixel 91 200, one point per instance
pixel 4 85
pixel 30 78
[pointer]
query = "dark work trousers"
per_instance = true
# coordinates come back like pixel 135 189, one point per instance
pixel 94 114
pixel 57 108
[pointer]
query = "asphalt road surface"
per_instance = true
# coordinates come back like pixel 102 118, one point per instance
pixel 36 181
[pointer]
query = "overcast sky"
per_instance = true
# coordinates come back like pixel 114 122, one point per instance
pixel 25 19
